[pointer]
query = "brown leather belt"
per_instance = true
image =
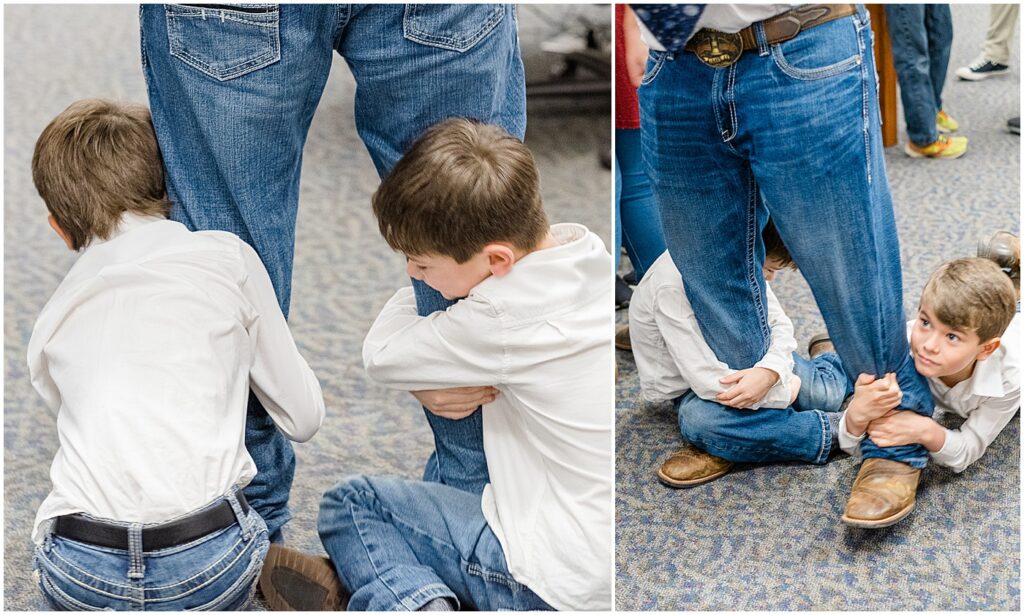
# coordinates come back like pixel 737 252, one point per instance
pixel 171 534
pixel 721 49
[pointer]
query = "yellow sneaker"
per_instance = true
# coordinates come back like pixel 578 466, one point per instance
pixel 945 123
pixel 944 148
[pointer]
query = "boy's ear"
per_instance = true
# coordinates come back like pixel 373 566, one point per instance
pixel 60 232
pixel 987 348
pixel 500 257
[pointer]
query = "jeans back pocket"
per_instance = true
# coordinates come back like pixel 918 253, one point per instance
pixel 457 27
pixel 224 41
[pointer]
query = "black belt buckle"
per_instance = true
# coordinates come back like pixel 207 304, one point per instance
pixel 717 49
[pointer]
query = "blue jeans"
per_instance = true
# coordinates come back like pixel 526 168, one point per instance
pixel 232 93
pixel 922 36
pixel 216 572
pixel 398 544
pixel 636 213
pixel 795 125
pixel 799 433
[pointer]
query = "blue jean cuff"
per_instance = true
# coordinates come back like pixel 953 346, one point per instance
pixel 423 595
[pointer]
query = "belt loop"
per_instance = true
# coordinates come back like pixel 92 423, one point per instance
pixel 243 521
pixel 49 524
pixel 762 39
pixel 136 568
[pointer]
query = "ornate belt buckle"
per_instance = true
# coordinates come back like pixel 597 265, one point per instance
pixel 717 49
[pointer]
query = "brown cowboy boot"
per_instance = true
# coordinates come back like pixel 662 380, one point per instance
pixel 295 581
pixel 690 466
pixel 882 494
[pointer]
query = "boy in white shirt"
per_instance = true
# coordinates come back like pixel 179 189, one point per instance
pixel 534 322
pixel 770 412
pixel 965 342
pixel 146 354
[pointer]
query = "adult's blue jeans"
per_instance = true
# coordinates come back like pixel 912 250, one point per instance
pixel 398 544
pixel 801 432
pixel 233 91
pixel 637 224
pixel 922 36
pixel 216 572
pixel 795 125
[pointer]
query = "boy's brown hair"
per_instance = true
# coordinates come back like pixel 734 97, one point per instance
pixel 95 161
pixel 972 294
pixel 461 185
pixel 773 246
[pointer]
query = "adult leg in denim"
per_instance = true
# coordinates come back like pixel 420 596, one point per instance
pixel 938 22
pixel 415 66
pixel 398 544
pixel 617 253
pixel 819 162
pixel 709 203
pixel 754 436
pixel 824 384
pixel 641 224
pixel 913 69
pixel 231 119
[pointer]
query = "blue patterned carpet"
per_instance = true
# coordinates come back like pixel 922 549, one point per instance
pixel 344 272
pixel 769 537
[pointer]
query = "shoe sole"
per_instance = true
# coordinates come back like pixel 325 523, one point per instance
pixel 874 524
pixel 915 154
pixel 686 484
pixel 619 346
pixel 981 76
pixel 316 584
pixel 944 130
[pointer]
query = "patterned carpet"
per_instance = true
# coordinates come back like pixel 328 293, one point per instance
pixel 343 270
pixel 769 537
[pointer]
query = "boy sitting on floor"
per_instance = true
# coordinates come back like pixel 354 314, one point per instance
pixel 464 205
pixel 767 413
pixel 965 342
pixel 146 353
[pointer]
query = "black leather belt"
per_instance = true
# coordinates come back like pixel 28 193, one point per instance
pixel 154 537
pixel 721 49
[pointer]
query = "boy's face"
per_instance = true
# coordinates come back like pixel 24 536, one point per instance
pixel 772 266
pixel 940 350
pixel 453 280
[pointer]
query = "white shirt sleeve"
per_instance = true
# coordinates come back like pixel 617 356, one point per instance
pixel 779 357
pixel 850 444
pixel 461 346
pixel 280 378
pixel 966 445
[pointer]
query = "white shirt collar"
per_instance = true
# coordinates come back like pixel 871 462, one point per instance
pixel 128 222
pixel 987 379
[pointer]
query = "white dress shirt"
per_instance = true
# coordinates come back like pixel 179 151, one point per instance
pixel 541 335
pixel 146 353
pixel 987 400
pixel 671 354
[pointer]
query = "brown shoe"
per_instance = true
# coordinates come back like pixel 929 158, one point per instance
pixel 820 343
pixel 882 494
pixel 690 466
pixel 1003 247
pixel 295 581
pixel 622 341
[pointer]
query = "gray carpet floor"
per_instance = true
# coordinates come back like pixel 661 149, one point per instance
pixel 769 537
pixel 344 272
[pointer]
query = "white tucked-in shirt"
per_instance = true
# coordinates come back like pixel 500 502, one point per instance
pixel 146 353
pixel 542 336
pixel 987 400
pixel 671 354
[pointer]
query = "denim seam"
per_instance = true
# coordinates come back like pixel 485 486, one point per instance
pixel 826 438
pixel 649 76
pixel 752 269
pixel 730 100
pixel 204 583
pixel 77 570
pixel 224 15
pixel 235 71
pixel 229 552
pixel 460 45
pixel 251 571
pixel 362 541
pixel 494 577
pixel 415 600
pixel 81 583
pixel 63 598
pixel 865 106
pixel 814 74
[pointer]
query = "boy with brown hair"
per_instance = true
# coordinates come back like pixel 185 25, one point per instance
pixel 965 343
pixel 464 205
pixel 146 353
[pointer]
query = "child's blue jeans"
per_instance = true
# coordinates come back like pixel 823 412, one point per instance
pixel 216 572
pixel 398 544
pixel 800 432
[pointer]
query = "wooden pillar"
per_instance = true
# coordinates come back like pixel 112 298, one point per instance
pixel 886 73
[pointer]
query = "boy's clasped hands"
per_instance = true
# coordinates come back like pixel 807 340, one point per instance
pixel 873 410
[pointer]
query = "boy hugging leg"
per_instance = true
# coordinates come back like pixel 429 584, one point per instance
pixel 531 337
pixel 781 409
pixel 965 342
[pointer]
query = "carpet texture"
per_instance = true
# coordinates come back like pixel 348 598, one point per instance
pixel 769 537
